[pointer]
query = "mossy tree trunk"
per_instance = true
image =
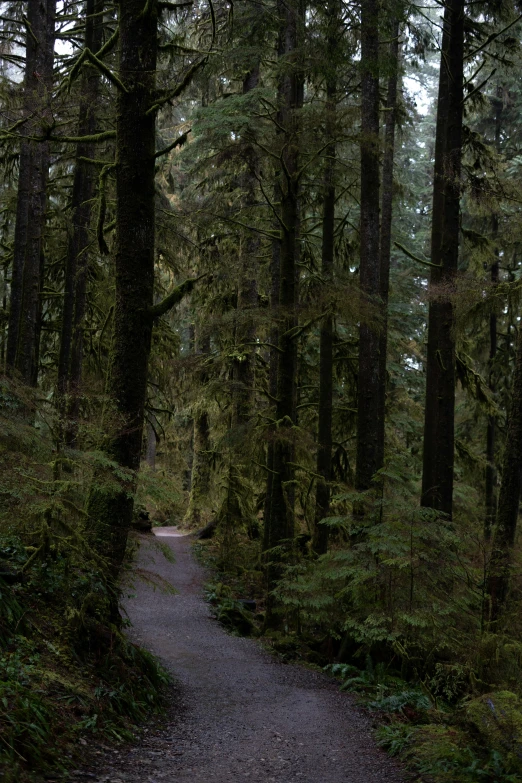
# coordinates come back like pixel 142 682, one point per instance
pixel 275 268
pixel 77 261
pixel 236 507
pixel 370 429
pixel 439 420
pixel 32 186
pixel 279 524
pixel 491 435
pixel 386 219
pixel 324 429
pixel 508 500
pixel 151 447
pixel 111 506
pixel 200 474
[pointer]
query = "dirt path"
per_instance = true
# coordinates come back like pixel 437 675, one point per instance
pixel 241 715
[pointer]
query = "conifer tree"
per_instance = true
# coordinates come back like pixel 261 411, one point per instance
pixel 280 518
pixel 27 268
pixel 370 429
pixel 439 424
pixel 79 242
pixel 324 435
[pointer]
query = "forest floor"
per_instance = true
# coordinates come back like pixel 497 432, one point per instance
pixel 236 712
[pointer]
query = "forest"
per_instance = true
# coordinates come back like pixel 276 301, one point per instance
pixel 261 279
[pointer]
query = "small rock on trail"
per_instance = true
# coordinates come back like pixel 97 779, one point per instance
pixel 237 713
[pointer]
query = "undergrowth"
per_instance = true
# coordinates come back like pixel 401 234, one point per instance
pixel 451 714
pixel 64 674
pixel 68 674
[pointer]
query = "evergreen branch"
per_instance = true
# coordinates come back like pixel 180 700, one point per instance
pixel 175 6
pixel 492 37
pixel 191 71
pixel 267 151
pixel 474 75
pixel 29 29
pixel 265 467
pixel 297 331
pixel 311 159
pixel 480 86
pixel 416 258
pixel 91 161
pixel 109 44
pixel 176 92
pixel 87 55
pixel 147 9
pixel 265 345
pixel 270 234
pixel 183 49
pixel 269 201
pixel 93 138
pixel 312 473
pixel 102 208
pixel 180 141
pixel 174 297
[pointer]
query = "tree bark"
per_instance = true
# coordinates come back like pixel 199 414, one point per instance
pixel 77 262
pixel 438 459
pixel 509 499
pixel 243 370
pixel 200 475
pixel 233 512
pixel 275 276
pixel 491 466
pixel 150 450
pixel 32 184
pixel 324 429
pixel 111 508
pixel 386 224
pixel 279 523
pixel 369 426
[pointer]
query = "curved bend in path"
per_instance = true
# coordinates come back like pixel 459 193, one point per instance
pixel 246 716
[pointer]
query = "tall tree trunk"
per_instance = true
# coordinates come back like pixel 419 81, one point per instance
pixel 243 370
pixel 150 450
pixel 76 271
pixel 32 185
pixel 324 429
pixel 275 286
pixel 509 498
pixel 233 512
pixel 491 467
pixel 111 508
pixel 386 221
pixel 200 475
pixel 369 427
pixel 279 526
pixel 275 276
pixel 439 425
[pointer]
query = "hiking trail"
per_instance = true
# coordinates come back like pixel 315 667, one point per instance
pixel 238 714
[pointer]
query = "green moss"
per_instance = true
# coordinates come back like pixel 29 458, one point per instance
pixel 439 751
pixel 498 719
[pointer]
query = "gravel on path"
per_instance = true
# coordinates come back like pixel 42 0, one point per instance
pixel 238 714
